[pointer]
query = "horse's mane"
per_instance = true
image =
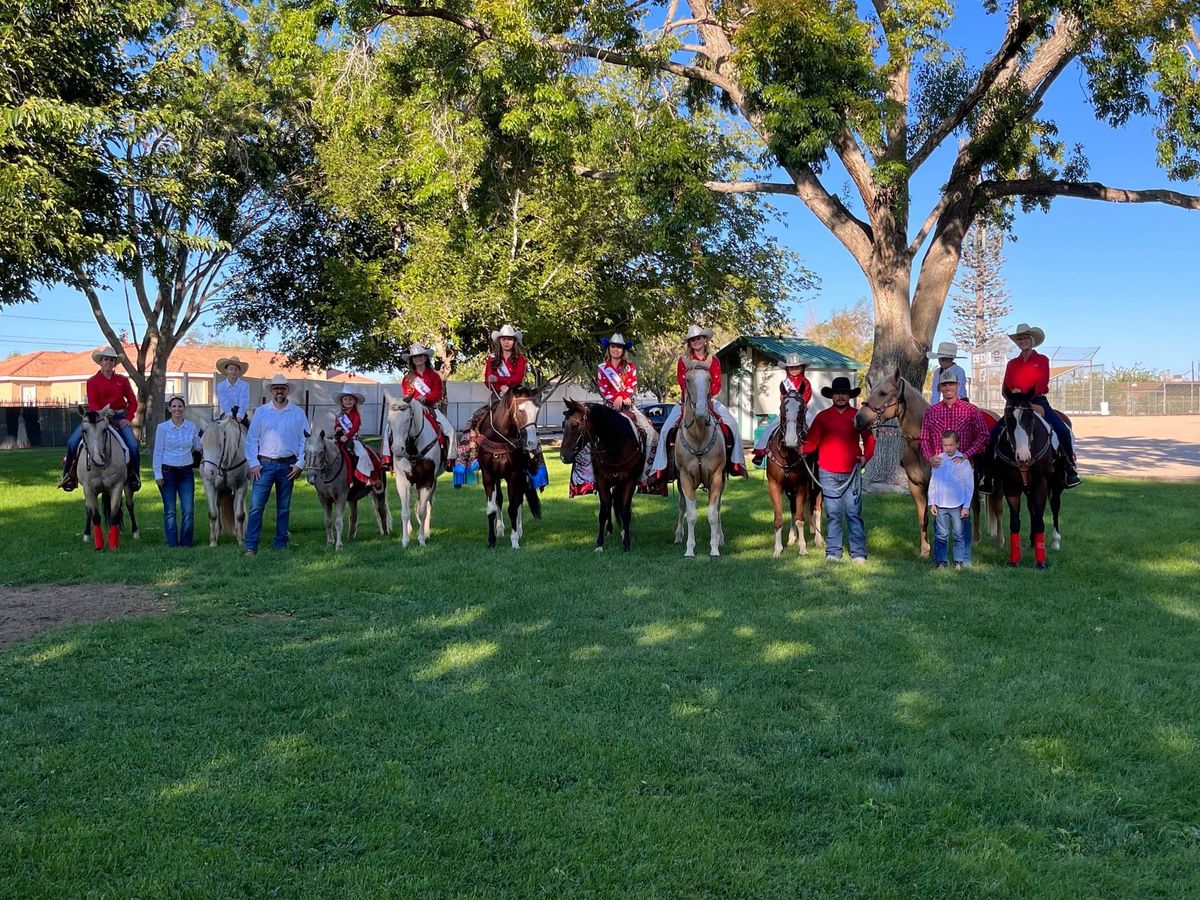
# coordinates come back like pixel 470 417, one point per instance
pixel 605 414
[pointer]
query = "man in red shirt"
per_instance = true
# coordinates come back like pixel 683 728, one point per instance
pixel 953 414
pixel 842 450
pixel 107 388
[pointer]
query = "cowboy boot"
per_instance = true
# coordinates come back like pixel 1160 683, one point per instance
pixel 70 479
pixel 134 478
pixel 1072 473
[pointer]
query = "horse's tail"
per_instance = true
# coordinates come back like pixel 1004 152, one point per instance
pixel 225 502
pixel 534 499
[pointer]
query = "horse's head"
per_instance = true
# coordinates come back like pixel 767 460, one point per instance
pixel 524 408
pixel 882 403
pixel 575 430
pixel 792 413
pixel 316 451
pixel 697 381
pixel 222 446
pixel 400 418
pixel 1020 426
pixel 95 434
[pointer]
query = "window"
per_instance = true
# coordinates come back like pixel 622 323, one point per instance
pixel 172 387
pixel 28 394
pixel 199 391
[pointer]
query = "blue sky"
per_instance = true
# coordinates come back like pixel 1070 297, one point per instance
pixel 1121 277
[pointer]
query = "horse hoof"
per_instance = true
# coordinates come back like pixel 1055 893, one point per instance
pixel 599 549
pixel 778 553
pixel 688 554
pixel 1041 567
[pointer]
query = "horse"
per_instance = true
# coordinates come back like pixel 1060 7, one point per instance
pixel 896 398
pixel 1026 462
pixel 103 475
pixel 418 458
pixel 327 471
pixel 699 460
pixel 618 458
pixel 226 478
pixel 506 436
pixel 790 473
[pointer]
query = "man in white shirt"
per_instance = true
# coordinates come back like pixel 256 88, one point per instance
pixel 274 450
pixel 232 392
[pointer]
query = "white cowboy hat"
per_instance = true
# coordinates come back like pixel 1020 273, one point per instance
pixel 618 339
pixel 104 353
pixel 1024 328
pixel 417 349
pixel 506 330
pixel 695 331
pixel 279 380
pixel 348 391
pixel 945 350
pixel 226 360
pixel 794 360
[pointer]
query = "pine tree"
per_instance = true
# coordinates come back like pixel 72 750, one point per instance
pixel 984 301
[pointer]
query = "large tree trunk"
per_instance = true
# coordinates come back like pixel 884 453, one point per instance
pixel 150 401
pixel 895 345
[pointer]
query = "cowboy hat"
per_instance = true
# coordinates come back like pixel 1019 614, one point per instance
pixel 417 349
pixel 104 353
pixel 226 360
pixel 1036 333
pixel 618 339
pixel 841 385
pixel 506 330
pixel 795 361
pixel 695 331
pixel 945 350
pixel 279 380
pixel 348 391
pixel 948 377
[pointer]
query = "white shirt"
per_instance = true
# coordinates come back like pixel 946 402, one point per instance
pixel 231 395
pixel 951 484
pixel 962 382
pixel 173 445
pixel 276 433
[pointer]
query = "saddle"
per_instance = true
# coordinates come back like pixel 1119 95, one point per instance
pixel 351 460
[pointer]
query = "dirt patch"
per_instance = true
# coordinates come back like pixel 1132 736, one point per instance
pixel 27 612
pixel 1162 448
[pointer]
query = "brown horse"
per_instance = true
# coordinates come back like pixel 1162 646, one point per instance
pixel 618 458
pixel 699 460
pixel 506 437
pixel 895 398
pixel 788 472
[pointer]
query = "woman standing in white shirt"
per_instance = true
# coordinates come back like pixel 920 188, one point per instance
pixel 174 442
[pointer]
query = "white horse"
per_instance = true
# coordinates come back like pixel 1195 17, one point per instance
pixel 226 478
pixel 328 473
pixel 700 460
pixel 417 461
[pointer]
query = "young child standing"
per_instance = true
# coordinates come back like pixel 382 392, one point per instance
pixel 951 485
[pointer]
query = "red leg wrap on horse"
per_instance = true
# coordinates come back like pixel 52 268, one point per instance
pixel 114 537
pixel 1039 548
pixel 98 536
pixel 1014 548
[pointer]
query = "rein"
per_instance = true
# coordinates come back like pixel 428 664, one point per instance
pixel 1023 468
pixel 599 450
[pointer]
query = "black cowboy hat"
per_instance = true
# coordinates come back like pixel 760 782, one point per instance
pixel 841 385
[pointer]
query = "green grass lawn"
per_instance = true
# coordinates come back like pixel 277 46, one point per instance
pixel 458 722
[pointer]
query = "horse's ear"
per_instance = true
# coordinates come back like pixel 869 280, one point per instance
pixel 898 376
pixel 83 410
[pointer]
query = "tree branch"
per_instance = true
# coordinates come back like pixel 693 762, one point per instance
pixel 1085 190
pixel 750 187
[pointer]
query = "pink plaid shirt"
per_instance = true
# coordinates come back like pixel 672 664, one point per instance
pixel 963 417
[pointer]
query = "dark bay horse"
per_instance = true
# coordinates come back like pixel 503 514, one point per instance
pixel 617 460
pixel 790 475
pixel 1026 463
pixel 895 398
pixel 506 436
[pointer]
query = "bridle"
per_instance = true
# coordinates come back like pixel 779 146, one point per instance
pixel 801 431
pixel 705 420
pixel 223 468
pixel 598 451
pixel 899 402
pixel 324 457
pixel 106 449
pixel 414 418
pixel 1010 422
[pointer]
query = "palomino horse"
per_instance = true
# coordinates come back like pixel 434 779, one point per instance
pixel 788 472
pixel 102 473
pixel 1026 463
pixel 896 398
pixel 418 458
pixel 507 435
pixel 329 474
pixel 226 478
pixel 618 458
pixel 700 460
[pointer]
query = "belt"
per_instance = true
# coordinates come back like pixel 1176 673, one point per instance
pixel 278 459
pixel 176 468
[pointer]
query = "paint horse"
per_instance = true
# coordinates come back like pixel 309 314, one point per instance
pixel 226 478
pixel 618 458
pixel 790 474
pixel 419 453
pixel 327 471
pixel 699 460
pixel 103 473
pixel 506 439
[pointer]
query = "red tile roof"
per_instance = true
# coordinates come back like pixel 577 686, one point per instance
pixel 39 364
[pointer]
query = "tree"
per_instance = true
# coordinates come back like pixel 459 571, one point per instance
pixel 980 309
pixel 881 92
pixel 848 330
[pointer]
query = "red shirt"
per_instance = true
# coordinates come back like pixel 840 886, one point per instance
pixel 836 440
pixel 964 417
pixel 714 369
pixel 618 382
pixel 115 393
pixel 1025 375
pixel 516 373
pixel 802 384
pixel 433 385
pixel 349 421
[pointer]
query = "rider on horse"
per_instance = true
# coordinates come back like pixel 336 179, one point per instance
pixel 347 423
pixel 617 382
pixel 233 393
pixel 946 354
pixel 696 341
pixel 794 382
pixel 107 389
pixel 1029 372
pixel 421 382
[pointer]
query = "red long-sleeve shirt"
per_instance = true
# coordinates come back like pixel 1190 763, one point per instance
pixel 714 369
pixel 431 382
pixel 1025 375
pixel 802 384
pixel 515 374
pixel 618 382
pixel 115 393
pixel 836 440
pixel 349 420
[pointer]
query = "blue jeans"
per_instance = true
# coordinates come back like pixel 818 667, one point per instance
pixel 273 473
pixel 950 522
pixel 843 497
pixel 178 482
pixel 123 427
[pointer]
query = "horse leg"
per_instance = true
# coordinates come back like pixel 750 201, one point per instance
pixel 492 491
pixel 424 505
pixel 353 533
pixel 920 495
pixel 1037 523
pixel 328 505
pixel 627 489
pixel 94 524
pixel 214 512
pixel 133 525
pixel 516 494
pixel 339 518
pixel 112 502
pixel 687 502
pixel 815 506
pixel 604 489
pixel 1055 503
pixel 1014 527
pixel 775 492
pixel 799 498
pixel 682 513
pixel 239 513
pixel 404 489
pixel 716 536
